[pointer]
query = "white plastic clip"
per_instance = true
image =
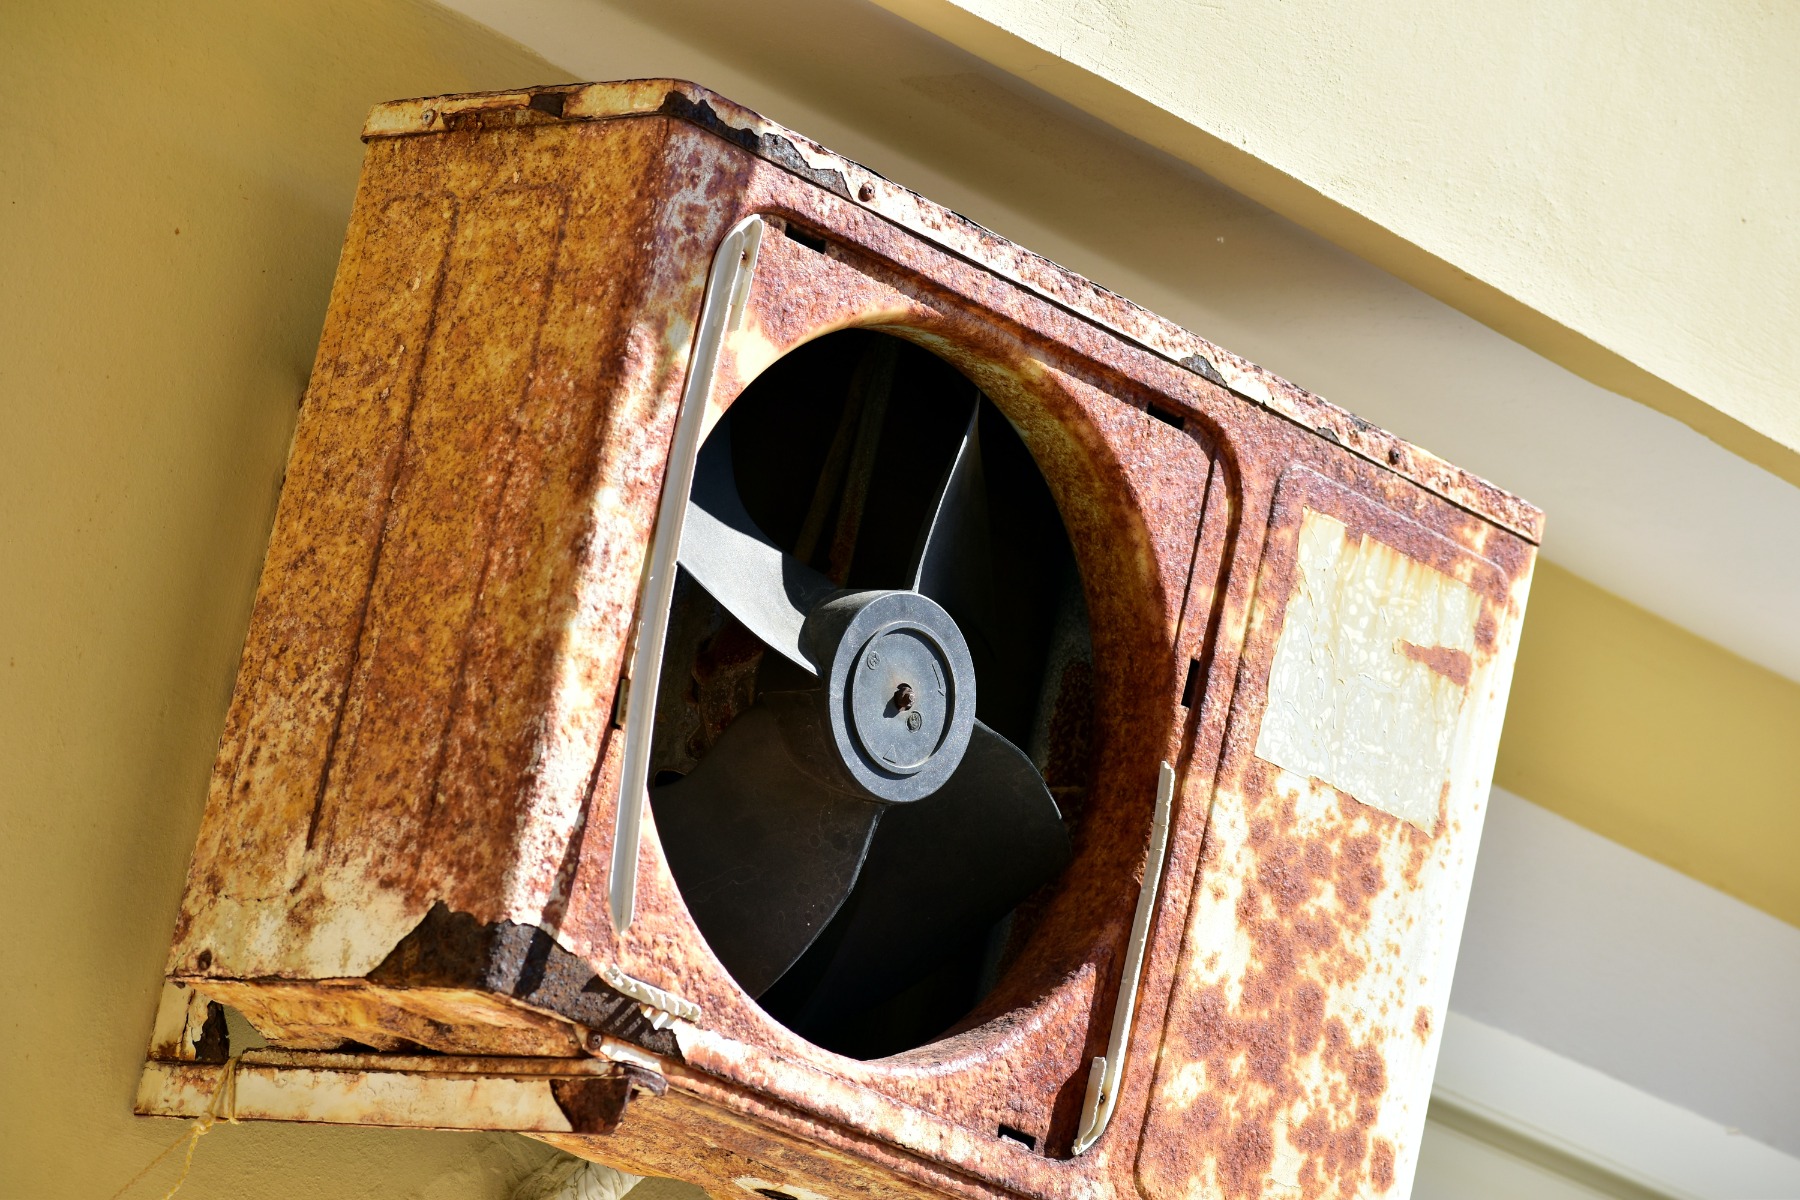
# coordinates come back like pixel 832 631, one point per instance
pixel 663 1008
pixel 1105 1073
pixel 727 294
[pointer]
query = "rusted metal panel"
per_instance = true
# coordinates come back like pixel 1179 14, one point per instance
pixel 411 821
pixel 917 215
pixel 1316 962
pixel 293 1092
pixel 188 1026
pixel 523 1094
pixel 1133 488
pixel 449 584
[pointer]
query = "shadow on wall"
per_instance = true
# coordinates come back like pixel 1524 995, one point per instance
pixel 175 202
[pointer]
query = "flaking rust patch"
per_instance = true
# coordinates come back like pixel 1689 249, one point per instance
pixel 1370 672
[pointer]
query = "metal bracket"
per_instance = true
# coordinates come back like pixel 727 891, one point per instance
pixel 1105 1073
pixel 727 294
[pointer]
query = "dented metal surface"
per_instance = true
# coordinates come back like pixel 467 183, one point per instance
pixel 409 837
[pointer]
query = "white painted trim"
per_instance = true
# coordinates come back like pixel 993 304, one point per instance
pixel 1598 954
pixel 1592 1117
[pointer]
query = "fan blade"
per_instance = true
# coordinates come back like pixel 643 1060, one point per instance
pixel 952 563
pixel 764 855
pixel 769 591
pixel 939 872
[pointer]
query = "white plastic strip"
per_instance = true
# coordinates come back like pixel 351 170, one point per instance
pixel 1105 1073
pixel 727 292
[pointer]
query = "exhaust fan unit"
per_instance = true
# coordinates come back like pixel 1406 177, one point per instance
pixel 760 680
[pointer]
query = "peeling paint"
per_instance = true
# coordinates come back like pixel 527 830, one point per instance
pixel 1370 672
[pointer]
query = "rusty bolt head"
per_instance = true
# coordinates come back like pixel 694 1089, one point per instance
pixel 865 193
pixel 903 697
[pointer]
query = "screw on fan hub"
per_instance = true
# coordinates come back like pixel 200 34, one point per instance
pixel 882 699
pixel 899 693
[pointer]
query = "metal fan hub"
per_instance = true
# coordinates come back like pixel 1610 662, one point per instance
pixel 899 690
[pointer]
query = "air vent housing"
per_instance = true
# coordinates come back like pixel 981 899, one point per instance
pixel 1266 653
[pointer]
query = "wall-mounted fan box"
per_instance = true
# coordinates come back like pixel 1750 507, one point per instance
pixel 1253 775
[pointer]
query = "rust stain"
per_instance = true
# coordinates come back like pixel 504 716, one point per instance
pixel 1278 1063
pixel 597 1104
pixel 1381 1165
pixel 1448 661
pixel 1279 1043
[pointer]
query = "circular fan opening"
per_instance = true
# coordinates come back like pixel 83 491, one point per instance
pixel 872 728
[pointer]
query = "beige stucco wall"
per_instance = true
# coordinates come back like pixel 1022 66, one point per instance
pixel 175 180
pixel 1608 183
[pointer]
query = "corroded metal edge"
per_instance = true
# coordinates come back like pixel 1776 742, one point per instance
pixel 475 1101
pixel 437 1091
pixel 857 184
pixel 523 963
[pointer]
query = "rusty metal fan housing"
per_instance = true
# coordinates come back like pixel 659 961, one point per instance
pixel 759 679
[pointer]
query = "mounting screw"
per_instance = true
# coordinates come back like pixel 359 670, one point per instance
pixel 865 193
pixel 428 116
pixel 1394 456
pixel 903 697
pixel 913 721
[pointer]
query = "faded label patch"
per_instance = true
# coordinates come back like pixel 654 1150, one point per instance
pixel 1370 672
